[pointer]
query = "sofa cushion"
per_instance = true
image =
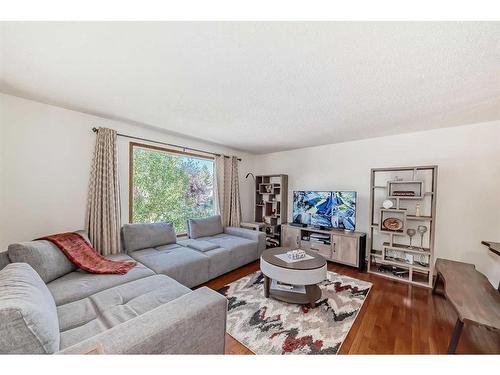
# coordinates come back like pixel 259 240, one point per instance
pixel 28 315
pixel 80 284
pixel 199 245
pixel 145 235
pixel 220 262
pixel 187 266
pixel 43 256
pixel 156 250
pixel 206 226
pixel 243 251
pixel 90 316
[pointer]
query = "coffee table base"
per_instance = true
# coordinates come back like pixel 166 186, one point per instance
pixel 313 293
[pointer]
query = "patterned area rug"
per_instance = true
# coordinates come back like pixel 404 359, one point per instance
pixel 267 326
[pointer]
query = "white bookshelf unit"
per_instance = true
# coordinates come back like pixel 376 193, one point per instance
pixel 412 191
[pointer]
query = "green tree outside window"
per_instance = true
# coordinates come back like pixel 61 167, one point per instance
pixel 172 188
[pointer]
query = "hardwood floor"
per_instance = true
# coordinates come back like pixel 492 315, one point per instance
pixel 396 318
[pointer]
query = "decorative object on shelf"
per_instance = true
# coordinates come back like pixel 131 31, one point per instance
pixel 417 210
pixel 268 188
pixel 411 232
pixel 421 260
pixel 392 223
pixel 399 256
pixel 270 242
pixel 396 271
pixel 387 204
pixel 421 229
pixel 407 189
pixel 296 254
pixel 403 193
pixel 394 255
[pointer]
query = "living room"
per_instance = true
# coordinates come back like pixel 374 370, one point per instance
pixel 263 188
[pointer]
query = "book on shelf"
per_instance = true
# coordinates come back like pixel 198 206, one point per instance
pixel 278 285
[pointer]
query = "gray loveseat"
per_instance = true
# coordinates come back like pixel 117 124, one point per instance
pixel 49 306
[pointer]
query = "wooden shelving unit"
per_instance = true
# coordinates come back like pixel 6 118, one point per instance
pixel 271 198
pixel 390 253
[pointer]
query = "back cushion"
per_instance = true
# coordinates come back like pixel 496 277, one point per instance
pixel 141 236
pixel 207 226
pixel 43 256
pixel 199 245
pixel 28 316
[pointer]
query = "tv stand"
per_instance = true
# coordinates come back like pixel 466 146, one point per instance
pixel 335 245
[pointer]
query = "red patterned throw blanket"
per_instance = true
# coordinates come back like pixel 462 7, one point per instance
pixel 85 257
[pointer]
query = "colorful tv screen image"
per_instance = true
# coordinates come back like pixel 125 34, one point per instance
pixel 332 209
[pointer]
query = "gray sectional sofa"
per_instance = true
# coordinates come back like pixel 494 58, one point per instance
pixel 148 310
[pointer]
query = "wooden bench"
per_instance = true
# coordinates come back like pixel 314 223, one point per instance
pixel 470 293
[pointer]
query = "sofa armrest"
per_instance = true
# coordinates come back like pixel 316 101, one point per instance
pixel 194 323
pixel 249 234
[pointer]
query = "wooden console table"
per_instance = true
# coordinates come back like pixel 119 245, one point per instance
pixel 470 293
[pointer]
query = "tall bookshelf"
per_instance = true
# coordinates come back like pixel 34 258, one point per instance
pixel 412 191
pixel 271 205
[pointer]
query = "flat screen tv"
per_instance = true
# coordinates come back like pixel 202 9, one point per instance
pixel 330 209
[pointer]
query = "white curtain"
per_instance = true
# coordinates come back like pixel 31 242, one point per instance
pixel 103 207
pixel 228 191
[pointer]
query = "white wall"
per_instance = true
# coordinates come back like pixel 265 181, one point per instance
pixel 468 159
pixel 45 157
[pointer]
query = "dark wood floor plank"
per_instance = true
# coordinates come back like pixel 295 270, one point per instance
pixel 395 318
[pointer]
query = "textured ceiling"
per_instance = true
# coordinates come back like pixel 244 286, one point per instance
pixel 261 87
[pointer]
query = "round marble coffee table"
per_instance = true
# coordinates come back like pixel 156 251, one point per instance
pixel 308 273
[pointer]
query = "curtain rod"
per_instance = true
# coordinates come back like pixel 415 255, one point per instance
pixel 95 130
